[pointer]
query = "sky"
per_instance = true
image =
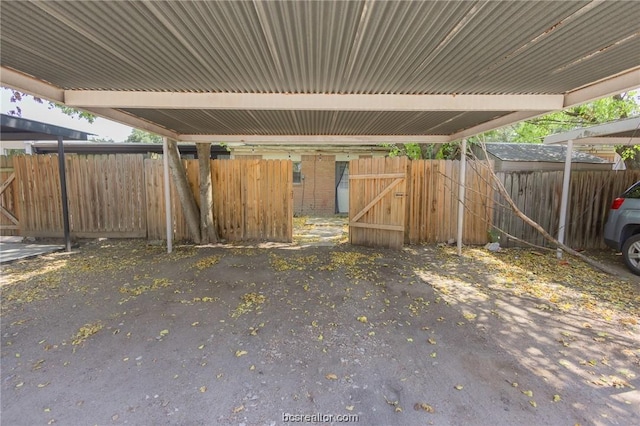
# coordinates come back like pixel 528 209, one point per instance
pixel 32 110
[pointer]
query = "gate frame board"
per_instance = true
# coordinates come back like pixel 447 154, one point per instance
pixel 9 215
pixel 377 207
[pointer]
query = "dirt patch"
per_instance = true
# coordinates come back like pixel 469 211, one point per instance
pixel 320 231
pixel 120 332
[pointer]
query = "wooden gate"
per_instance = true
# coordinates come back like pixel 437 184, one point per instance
pixel 377 197
pixel 9 222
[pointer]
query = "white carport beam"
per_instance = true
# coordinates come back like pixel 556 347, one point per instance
pixel 41 89
pixel 610 140
pixel 623 82
pixel 315 139
pixel 23 83
pixel 564 203
pixel 130 120
pixel 606 129
pixel 505 120
pixel 307 102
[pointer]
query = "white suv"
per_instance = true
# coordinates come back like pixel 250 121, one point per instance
pixel 622 230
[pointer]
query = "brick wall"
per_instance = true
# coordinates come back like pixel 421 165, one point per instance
pixel 316 194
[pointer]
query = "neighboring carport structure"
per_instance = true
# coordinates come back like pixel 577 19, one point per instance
pixel 361 72
pixel 623 132
pixel 21 129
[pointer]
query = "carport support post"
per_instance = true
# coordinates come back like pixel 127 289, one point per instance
pixel 461 193
pixel 565 197
pixel 167 195
pixel 63 190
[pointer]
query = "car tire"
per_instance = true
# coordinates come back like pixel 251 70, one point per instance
pixel 631 253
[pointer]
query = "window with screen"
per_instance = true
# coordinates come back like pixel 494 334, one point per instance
pixel 297 172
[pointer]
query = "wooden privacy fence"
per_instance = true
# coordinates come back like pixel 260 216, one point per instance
pixel 122 196
pixel 538 195
pixel 106 195
pixel 432 207
pixel 252 199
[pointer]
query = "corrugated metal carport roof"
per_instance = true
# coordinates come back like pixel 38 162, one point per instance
pixel 229 71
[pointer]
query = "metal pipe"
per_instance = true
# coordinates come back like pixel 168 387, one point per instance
pixel 63 192
pixel 565 197
pixel 461 193
pixel 167 195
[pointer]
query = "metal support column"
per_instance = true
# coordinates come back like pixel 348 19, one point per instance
pixel 167 195
pixel 63 190
pixel 461 193
pixel 565 196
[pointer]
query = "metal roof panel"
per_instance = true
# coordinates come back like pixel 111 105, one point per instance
pixel 346 47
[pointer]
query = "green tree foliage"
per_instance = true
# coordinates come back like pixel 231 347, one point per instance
pixel 597 112
pixel 141 136
pixel 535 130
pixel 102 140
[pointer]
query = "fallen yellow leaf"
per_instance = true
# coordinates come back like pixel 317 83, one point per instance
pixel 468 315
pixel 331 376
pixel 203 389
pixel 458 387
pixel 240 353
pixel 422 406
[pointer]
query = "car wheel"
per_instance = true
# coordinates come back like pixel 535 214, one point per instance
pixel 631 253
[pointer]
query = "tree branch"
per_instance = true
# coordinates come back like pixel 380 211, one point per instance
pixel 502 190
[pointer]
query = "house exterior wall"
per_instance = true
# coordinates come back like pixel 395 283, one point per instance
pixel 316 194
